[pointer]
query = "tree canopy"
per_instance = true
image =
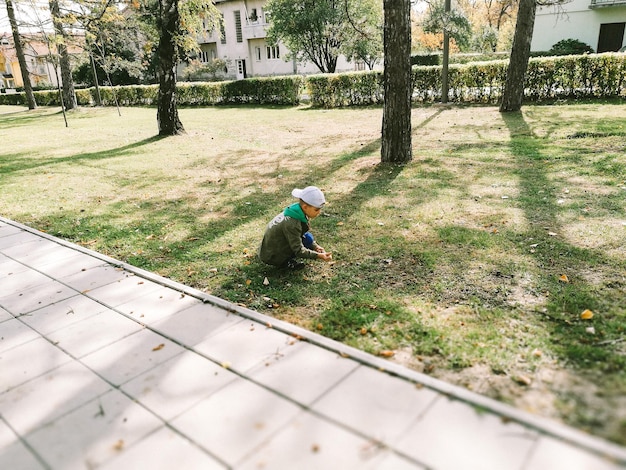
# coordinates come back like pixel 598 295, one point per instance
pixel 318 31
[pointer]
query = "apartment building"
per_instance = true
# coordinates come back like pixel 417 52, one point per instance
pixel 598 23
pixel 242 43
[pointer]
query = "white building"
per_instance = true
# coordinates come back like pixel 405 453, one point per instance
pixel 242 44
pixel 598 23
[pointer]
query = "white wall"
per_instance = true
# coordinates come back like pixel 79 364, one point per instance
pixel 573 20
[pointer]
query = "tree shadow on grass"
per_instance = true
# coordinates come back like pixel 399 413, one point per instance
pixel 15 163
pixel 555 256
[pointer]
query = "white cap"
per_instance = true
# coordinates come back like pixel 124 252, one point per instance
pixel 312 195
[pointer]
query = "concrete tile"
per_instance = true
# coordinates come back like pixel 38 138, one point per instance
pixel 124 290
pixel 13 333
pixel 4 315
pixel 32 299
pixel 21 281
pixel 42 400
pixel 62 314
pixel 157 304
pixel 72 264
pixel 195 324
pixel 553 454
pixel 29 360
pixel 391 461
pixel 232 422
pixel 93 274
pixel 379 405
pixel 6 230
pixel 453 435
pixel 93 433
pixel 244 345
pixel 45 253
pixel 303 372
pixel 16 239
pixel 177 384
pixel 14 455
pixel 163 450
pixel 133 355
pixel 311 443
pixel 9 267
pixel 93 333
pixel 30 249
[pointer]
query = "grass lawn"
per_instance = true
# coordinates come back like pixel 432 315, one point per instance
pixel 474 263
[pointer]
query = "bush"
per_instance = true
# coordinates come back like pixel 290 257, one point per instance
pixel 427 59
pixel 570 47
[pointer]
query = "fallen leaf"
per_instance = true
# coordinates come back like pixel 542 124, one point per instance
pixel 586 315
pixel 266 282
pixel 119 445
pixel 363 331
pixel 315 448
pixel 339 224
pixel 159 347
pixel 564 278
pixel 248 282
pixel 522 380
pixel 387 353
pixel 552 234
pixel 225 365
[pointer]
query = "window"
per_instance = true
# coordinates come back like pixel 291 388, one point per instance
pixel 273 52
pixel 222 31
pixel 238 25
pixel 203 56
pixel 257 54
pixel 253 16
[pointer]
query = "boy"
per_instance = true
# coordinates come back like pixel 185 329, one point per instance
pixel 287 236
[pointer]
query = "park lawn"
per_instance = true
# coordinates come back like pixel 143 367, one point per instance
pixel 474 263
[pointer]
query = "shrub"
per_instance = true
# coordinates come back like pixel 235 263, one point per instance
pixel 570 47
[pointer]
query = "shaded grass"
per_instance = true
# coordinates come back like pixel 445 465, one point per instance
pixel 457 257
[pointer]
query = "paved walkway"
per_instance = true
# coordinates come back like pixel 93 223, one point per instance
pixel 106 366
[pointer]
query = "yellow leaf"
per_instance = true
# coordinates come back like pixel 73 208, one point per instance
pixel 363 331
pixel 339 224
pixel 586 315
pixel 159 347
pixel 564 278
pixel 248 282
pixel 386 353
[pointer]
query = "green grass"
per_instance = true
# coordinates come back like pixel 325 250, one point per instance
pixel 454 261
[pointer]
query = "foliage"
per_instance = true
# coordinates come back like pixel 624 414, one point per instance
pixel 211 71
pixel 454 21
pixel 570 47
pixel 318 31
pixel 586 76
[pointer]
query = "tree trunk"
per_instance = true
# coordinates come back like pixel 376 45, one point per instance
pixel 167 112
pixel 398 87
pixel 69 95
pixel 513 93
pixel 19 51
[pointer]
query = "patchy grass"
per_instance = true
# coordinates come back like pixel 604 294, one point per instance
pixel 473 263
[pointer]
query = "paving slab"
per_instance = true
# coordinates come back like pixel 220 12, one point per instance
pixel 104 365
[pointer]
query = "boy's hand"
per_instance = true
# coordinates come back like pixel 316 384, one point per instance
pixel 325 256
pixel 319 249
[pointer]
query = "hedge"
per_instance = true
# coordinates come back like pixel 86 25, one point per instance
pixel 547 78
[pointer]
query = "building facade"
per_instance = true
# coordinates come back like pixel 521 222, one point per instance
pixel 242 44
pixel 598 23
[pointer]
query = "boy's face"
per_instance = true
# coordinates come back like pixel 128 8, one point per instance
pixel 310 211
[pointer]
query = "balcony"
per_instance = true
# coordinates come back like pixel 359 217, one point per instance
pixel 255 30
pixel 607 3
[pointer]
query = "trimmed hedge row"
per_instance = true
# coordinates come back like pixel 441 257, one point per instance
pixel 264 91
pixel 583 76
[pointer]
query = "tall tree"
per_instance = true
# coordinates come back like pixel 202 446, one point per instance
pixel 513 93
pixel 178 23
pixel 398 87
pixel 167 112
pixel 318 31
pixel 19 51
pixel 61 41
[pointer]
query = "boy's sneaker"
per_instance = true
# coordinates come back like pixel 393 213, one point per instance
pixel 294 265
